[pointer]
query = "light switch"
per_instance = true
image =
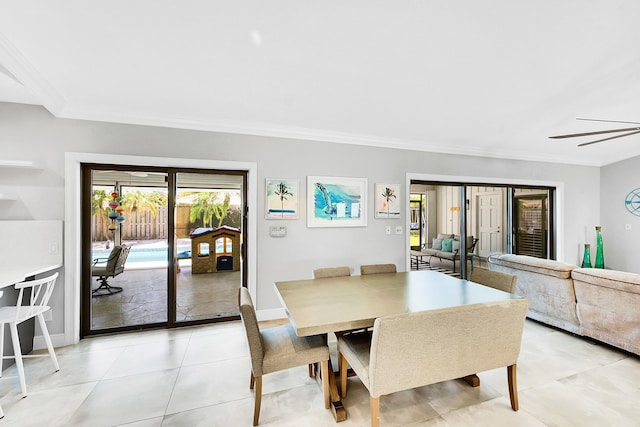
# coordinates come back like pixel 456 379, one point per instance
pixel 627 226
pixel 398 229
pixel 387 230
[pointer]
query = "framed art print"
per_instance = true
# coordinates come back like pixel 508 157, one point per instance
pixel 336 202
pixel 282 198
pixel 387 200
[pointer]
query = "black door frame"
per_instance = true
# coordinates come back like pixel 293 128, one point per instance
pixel 85 215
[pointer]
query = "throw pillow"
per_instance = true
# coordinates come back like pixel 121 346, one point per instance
pixel 447 245
pixel 437 244
pixel 455 246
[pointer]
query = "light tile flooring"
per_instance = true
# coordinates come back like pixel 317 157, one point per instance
pixel 199 376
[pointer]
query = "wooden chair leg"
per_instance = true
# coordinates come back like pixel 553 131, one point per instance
pixel 310 369
pixel 258 400
pixel 513 386
pixel 343 366
pixel 324 372
pixel 374 408
pixel 252 381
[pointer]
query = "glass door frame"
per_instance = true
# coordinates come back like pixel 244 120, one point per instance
pixel 173 293
pixel 552 214
pixel 86 188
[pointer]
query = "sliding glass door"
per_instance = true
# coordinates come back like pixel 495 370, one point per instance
pixel 161 246
pixel 504 218
pixel 208 244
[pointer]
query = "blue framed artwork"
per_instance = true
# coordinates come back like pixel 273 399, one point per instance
pixel 336 202
pixel 282 198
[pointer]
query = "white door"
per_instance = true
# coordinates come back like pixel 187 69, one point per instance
pixel 490 224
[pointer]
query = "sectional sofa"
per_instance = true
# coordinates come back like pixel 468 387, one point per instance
pixel 596 303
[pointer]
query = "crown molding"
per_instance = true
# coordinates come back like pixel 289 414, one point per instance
pixel 26 74
pixel 277 131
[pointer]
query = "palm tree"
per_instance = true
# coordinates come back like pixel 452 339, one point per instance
pixel 388 195
pixel 204 207
pixel 283 191
pixel 221 211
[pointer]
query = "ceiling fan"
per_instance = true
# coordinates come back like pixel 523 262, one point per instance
pixel 627 132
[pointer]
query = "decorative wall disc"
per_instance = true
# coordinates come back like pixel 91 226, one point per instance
pixel 632 202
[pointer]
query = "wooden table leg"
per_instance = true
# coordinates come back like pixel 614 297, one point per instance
pixel 337 409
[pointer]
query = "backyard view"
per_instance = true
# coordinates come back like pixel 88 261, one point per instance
pixel 134 219
pixel 145 214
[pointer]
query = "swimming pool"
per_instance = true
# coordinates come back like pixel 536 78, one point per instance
pixel 141 254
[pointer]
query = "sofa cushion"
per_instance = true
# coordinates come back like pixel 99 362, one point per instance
pixel 535 265
pixel 447 245
pixel 455 246
pixel 445 236
pixel 437 244
pixel 629 282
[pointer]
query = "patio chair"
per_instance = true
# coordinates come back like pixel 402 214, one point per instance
pixel 103 268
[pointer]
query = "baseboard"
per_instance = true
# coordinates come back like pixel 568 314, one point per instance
pixel 276 313
pixel 57 340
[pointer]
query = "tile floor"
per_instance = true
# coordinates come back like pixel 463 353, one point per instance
pixel 199 376
pixel 144 297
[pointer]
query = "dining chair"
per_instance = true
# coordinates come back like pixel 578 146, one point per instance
pixel 377 268
pixel 325 273
pixel 454 342
pixel 322 273
pixel 278 348
pixel 495 279
pixel 37 304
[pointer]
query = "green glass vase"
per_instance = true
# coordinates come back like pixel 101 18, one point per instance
pixel 599 249
pixel 586 259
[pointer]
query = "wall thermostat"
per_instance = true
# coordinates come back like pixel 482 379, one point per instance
pixel 278 231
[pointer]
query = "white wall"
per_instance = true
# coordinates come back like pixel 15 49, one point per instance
pixel 621 246
pixel 31 133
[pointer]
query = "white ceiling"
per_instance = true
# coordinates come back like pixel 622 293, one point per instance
pixel 489 78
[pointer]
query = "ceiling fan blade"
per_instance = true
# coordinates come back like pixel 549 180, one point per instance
pixel 611 137
pixel 608 121
pixel 599 132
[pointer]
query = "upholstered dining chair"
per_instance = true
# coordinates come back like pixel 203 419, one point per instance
pixel 34 305
pixel 454 342
pixel 377 268
pixel 325 273
pixel 278 348
pixel 322 273
pixel 495 279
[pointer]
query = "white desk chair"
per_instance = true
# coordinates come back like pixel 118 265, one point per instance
pixel 1 411
pixel 41 290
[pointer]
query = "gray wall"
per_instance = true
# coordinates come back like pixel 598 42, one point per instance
pixel 31 133
pixel 621 246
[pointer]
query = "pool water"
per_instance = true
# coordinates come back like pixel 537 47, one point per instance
pixel 141 254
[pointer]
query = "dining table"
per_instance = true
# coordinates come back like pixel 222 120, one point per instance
pixel 337 304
